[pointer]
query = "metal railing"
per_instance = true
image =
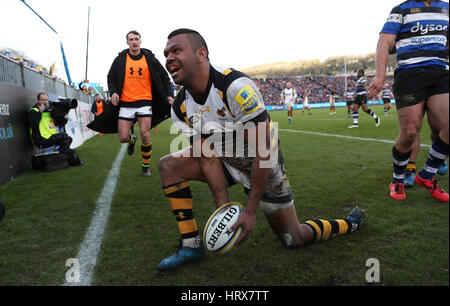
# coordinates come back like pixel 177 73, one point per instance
pixel 13 72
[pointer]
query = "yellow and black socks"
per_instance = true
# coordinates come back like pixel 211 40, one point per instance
pixel 324 229
pixel 146 151
pixel 180 199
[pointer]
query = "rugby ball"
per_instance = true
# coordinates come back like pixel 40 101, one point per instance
pixel 216 238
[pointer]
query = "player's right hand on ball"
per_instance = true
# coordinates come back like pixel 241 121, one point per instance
pixel 247 221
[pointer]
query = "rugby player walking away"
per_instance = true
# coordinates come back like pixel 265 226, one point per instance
pixel 306 104
pixel 386 95
pixel 360 100
pixel 288 96
pixel 418 30
pixel 138 84
pixel 348 96
pixel 225 102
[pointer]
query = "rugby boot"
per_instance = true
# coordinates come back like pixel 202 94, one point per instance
pixel 409 179
pixel 377 121
pixel 130 149
pixel 433 187
pixel 356 218
pixel 181 256
pixel 442 170
pixel 397 191
pixel 146 171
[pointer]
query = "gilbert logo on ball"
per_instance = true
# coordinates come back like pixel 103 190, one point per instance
pixel 216 237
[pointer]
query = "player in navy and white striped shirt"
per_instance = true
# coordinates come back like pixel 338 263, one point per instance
pixel 422 31
pixel 386 96
pixel 360 100
pixel 348 95
pixel 418 31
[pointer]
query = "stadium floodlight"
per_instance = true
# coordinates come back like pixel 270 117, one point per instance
pixel 66 67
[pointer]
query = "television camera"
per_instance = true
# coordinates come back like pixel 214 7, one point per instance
pixel 60 109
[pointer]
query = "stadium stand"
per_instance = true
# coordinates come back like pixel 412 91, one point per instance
pixel 19 58
pixel 319 87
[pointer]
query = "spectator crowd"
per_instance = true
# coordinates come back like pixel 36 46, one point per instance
pixel 317 88
pixel 30 64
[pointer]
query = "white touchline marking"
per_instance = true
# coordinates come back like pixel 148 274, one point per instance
pixel 90 247
pixel 345 136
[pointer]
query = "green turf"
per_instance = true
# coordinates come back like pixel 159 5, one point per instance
pixel 48 214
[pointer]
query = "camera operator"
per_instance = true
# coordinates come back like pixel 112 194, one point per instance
pixel 47 120
pixel 44 131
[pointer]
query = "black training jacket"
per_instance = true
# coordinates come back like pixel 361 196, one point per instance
pixel 161 85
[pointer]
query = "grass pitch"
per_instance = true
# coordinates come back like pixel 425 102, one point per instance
pixel 47 215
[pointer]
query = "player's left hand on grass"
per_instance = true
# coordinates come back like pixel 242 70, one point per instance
pixel 247 221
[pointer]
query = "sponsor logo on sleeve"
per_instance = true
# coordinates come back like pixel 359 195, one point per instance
pixel 248 99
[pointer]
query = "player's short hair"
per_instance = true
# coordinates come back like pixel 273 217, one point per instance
pixel 196 40
pixel 133 32
pixel 361 71
pixel 40 94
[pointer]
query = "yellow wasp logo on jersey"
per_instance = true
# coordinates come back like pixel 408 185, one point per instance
pixel 204 110
pixel 248 99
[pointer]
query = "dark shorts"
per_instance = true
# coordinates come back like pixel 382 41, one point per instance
pixel 360 100
pixel 413 86
pixel 349 102
pixel 386 100
pixel 61 139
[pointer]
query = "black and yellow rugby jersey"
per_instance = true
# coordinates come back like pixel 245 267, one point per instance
pixel 231 103
pixel 231 97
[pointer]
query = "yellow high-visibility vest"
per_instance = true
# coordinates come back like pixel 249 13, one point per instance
pixel 47 127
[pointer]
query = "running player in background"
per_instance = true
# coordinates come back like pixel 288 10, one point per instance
pixel 360 100
pixel 418 31
pixel 348 96
pixel 288 96
pixel 306 104
pixel 386 95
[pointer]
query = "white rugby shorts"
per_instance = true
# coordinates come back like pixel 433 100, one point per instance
pixel 276 195
pixel 130 113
